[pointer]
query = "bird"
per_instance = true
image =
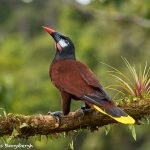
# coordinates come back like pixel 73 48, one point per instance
pixel 76 81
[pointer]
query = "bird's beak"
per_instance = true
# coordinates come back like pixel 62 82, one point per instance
pixel 50 31
pixel 53 33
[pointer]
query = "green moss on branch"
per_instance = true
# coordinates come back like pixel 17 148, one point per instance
pixel 25 126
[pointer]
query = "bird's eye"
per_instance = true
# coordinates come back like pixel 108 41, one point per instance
pixel 66 41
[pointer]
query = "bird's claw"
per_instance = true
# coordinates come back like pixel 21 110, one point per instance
pixel 85 107
pixel 57 115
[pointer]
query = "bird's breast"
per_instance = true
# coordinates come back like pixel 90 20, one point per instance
pixel 66 76
pixel 61 71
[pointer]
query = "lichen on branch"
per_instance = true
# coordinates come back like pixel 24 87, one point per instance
pixel 25 126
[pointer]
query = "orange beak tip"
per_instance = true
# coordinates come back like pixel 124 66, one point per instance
pixel 50 31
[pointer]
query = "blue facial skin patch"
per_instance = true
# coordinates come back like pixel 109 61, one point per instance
pixel 62 43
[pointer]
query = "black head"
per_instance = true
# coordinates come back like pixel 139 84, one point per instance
pixel 64 46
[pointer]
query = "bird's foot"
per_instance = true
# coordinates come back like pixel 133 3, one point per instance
pixel 57 115
pixel 85 107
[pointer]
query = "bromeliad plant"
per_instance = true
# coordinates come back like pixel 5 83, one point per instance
pixel 135 85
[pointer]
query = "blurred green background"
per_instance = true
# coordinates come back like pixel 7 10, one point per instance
pixel 102 30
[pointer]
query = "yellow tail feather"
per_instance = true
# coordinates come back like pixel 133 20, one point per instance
pixel 123 119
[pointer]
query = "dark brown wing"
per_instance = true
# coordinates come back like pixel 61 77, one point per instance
pixel 89 77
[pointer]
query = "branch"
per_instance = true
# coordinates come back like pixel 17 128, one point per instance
pixel 47 124
pixel 117 16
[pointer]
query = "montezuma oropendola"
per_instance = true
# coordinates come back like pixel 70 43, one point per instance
pixel 76 81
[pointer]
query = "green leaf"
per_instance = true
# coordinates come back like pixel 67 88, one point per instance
pixel 39 138
pixel 23 125
pixel 15 133
pixel 132 128
pixel 4 139
pixel 144 121
pixel 4 112
pixel 147 120
pixel 71 145
pixel 10 139
pixel 107 129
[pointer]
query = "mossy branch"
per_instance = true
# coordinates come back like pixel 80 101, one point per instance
pixel 47 124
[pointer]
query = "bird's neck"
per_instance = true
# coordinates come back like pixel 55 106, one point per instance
pixel 64 55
